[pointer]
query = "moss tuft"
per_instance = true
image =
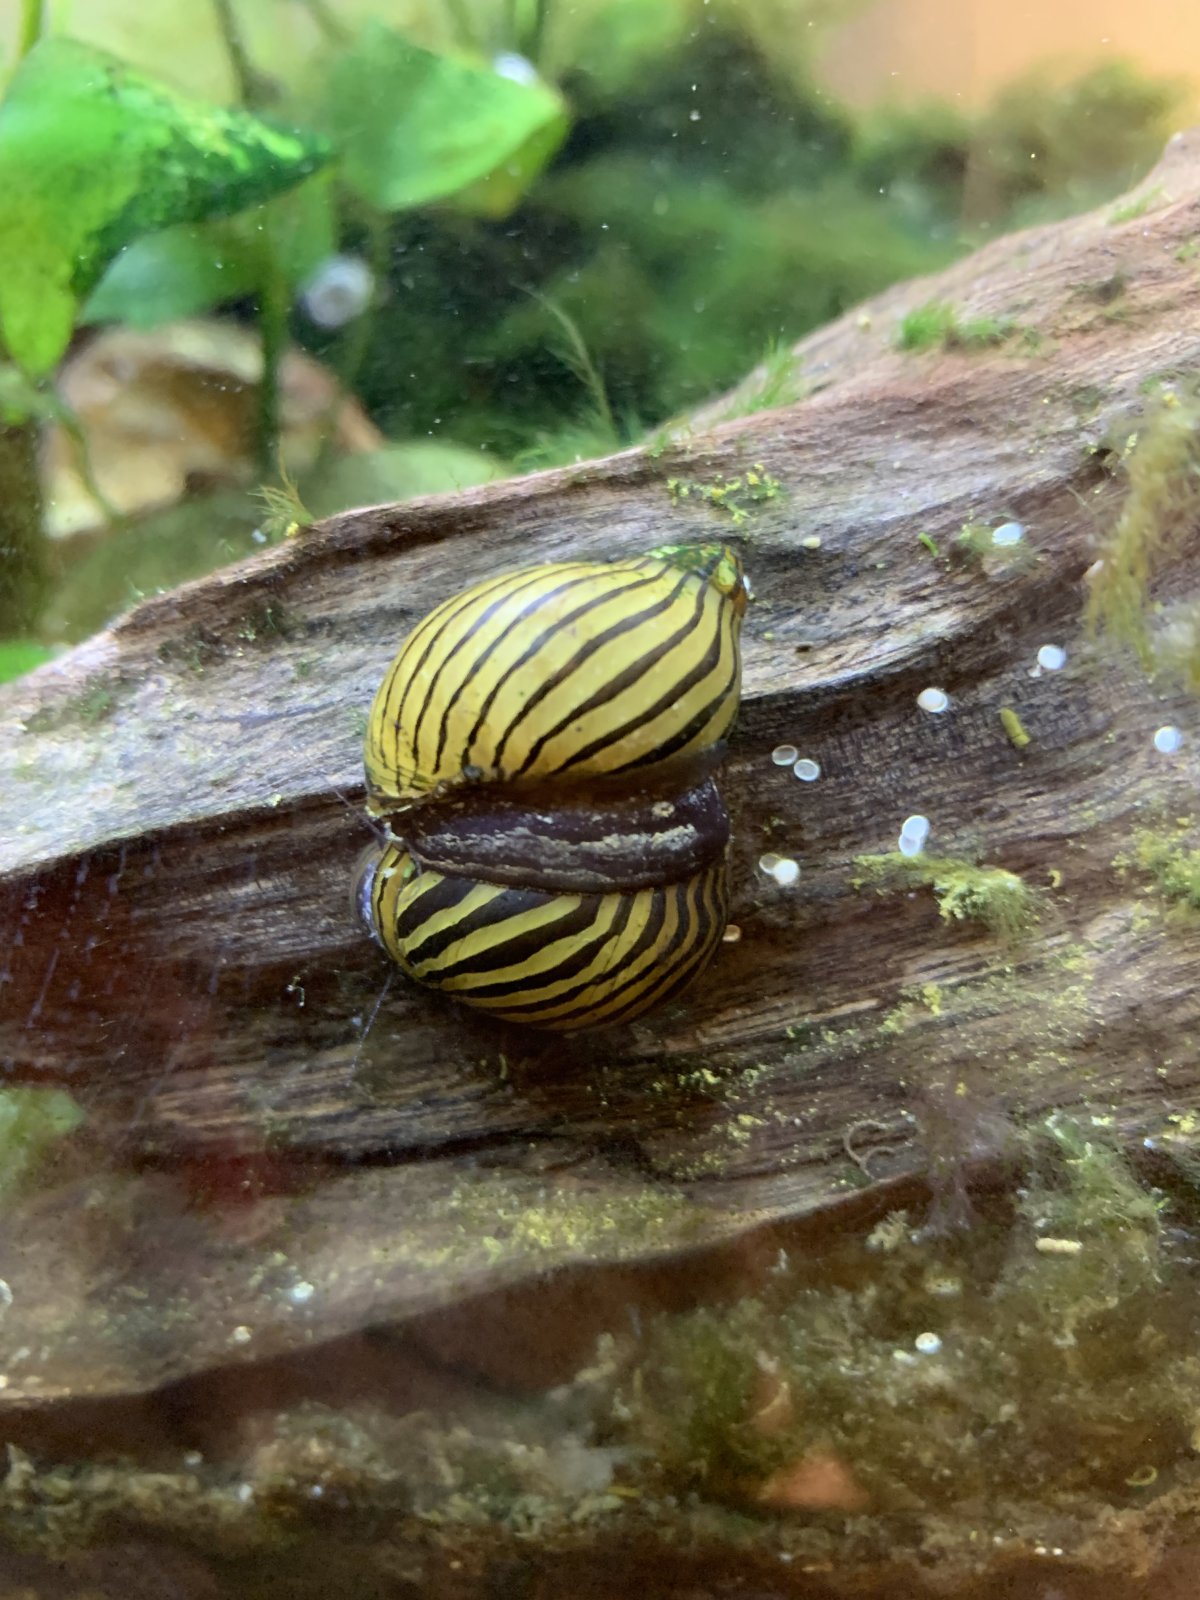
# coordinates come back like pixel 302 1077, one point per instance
pixel 1003 902
pixel 938 326
pixel 1161 461
pixel 1173 868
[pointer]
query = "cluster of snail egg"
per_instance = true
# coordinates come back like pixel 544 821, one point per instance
pixel 541 749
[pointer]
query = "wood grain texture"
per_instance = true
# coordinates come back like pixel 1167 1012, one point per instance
pixel 176 848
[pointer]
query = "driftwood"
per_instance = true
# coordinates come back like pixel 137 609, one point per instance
pixel 180 821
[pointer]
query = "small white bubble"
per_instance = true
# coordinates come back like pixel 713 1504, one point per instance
pixel 811 542
pixel 807 770
pixel 786 873
pixel 245 1492
pixel 784 754
pixel 300 1293
pixel 927 1343
pixel 1052 657
pixel 241 1334
pixel 693 116
pixel 6 1295
pixel 1167 740
pixel 768 863
pixel 934 701
pixel 259 536
pixel 1008 533
pixel 517 68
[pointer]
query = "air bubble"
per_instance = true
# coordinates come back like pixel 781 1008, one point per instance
pixel 807 770
pixel 1167 740
pixel 935 701
pixel 1052 657
pixel 786 873
pixel 768 863
pixel 927 1343
pixel 784 754
pixel 1008 533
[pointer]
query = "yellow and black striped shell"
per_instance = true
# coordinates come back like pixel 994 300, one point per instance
pixel 578 669
pixel 541 748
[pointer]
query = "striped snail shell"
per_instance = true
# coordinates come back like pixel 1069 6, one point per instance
pixel 576 669
pixel 541 749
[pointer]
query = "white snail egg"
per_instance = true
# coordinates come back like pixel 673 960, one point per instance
pixel 732 934
pixel 913 835
pixel 338 291
pixel 1008 533
pixel 1167 740
pixel 935 701
pixel 786 873
pixel 812 542
pixel 807 770
pixel 784 754
pixel 1051 657
pixel 927 1343
pixel 516 68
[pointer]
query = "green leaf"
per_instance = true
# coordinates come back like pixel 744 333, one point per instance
pixel 92 156
pixel 415 127
pixel 189 269
pixel 19 656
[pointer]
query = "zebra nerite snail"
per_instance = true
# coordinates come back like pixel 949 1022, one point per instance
pixel 541 749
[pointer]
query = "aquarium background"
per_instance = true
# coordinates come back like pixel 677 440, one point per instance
pixel 510 236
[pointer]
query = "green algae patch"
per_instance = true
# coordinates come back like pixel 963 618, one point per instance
pixel 32 1121
pixel 1161 464
pixel 1000 900
pixel 737 497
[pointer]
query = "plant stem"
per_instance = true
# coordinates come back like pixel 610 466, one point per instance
pixel 33 18
pixel 274 302
pixel 24 556
pixel 253 89
pixel 335 32
pixel 358 339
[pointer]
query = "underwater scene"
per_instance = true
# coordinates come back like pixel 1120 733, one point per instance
pixel 599 800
